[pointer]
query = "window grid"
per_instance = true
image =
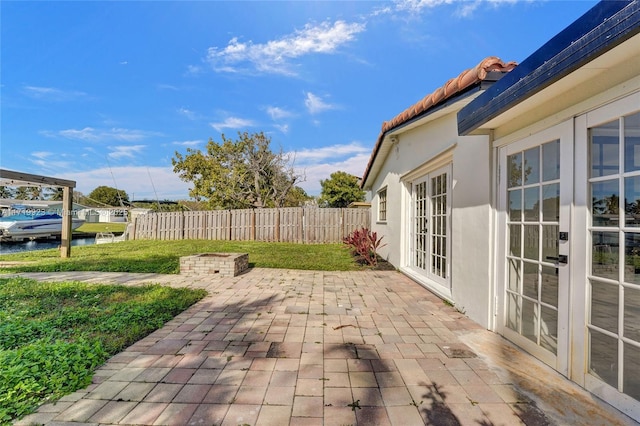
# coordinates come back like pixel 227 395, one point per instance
pixel 382 205
pixel 614 276
pixel 533 196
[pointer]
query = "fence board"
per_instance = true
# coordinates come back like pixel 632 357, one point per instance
pixel 265 224
pixel 195 225
pixel 241 225
pixel 292 224
pixel 217 226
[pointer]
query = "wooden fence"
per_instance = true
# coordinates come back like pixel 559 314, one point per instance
pixel 293 225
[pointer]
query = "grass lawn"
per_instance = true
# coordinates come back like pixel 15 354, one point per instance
pixel 164 256
pixel 94 228
pixel 54 335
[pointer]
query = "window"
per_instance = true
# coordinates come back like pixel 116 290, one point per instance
pixel 382 205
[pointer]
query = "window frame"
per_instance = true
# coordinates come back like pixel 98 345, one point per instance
pixel 382 195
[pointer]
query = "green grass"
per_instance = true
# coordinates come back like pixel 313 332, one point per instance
pixel 54 335
pixel 164 256
pixel 94 228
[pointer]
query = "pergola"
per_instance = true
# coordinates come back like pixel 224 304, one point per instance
pixel 11 178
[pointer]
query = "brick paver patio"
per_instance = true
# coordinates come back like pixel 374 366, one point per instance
pixel 285 347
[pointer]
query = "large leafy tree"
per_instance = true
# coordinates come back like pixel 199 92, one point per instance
pixel 340 190
pixel 297 197
pixel 237 174
pixel 108 196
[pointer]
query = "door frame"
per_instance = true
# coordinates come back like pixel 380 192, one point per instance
pixel 565 133
pixel 442 287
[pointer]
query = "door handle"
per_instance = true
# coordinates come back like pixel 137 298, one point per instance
pixel 560 259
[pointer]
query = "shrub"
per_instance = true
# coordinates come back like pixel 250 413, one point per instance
pixel 365 244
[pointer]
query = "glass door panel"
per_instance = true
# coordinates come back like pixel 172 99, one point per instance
pixel 430 226
pixel 614 276
pixel 533 229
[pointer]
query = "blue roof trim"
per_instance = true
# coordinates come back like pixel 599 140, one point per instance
pixel 605 26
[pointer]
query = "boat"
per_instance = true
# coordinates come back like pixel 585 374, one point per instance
pixel 20 227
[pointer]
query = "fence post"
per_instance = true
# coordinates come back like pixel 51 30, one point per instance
pixel 252 233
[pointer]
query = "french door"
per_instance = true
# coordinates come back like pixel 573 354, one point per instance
pixel 429 253
pixel 535 197
pixel 613 244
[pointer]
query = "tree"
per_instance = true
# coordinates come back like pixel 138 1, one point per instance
pixel 340 190
pixel 108 196
pixel 297 197
pixel 238 174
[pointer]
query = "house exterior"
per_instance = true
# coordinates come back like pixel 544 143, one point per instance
pixel 106 215
pixel 431 194
pixel 510 205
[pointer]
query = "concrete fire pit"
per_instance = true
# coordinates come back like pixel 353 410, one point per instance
pixel 223 264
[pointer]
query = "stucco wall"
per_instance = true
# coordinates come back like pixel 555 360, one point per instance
pixel 470 203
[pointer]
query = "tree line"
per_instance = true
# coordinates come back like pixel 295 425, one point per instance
pixel 230 174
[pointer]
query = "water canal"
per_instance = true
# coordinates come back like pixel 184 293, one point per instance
pixel 15 247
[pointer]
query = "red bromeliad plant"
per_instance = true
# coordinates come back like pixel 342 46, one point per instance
pixel 365 244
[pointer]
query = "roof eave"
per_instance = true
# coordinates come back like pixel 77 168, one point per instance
pixel 602 28
pixel 470 91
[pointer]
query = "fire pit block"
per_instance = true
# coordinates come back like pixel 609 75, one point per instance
pixel 223 264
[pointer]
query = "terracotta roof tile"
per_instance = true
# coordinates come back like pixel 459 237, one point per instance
pixel 452 87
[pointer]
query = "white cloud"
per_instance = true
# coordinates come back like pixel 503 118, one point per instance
pixel 232 123
pixel 42 155
pixel 464 7
pixel 187 143
pixel 419 5
pixel 354 165
pixel 137 182
pixel 49 162
pixel 191 115
pixel 333 151
pixel 274 56
pixel 129 151
pixel 90 134
pixel 318 164
pixel 277 113
pixel 167 87
pixel 53 94
pixel 194 70
pixel 283 128
pixel 315 104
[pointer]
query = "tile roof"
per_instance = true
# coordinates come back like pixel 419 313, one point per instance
pixel 454 86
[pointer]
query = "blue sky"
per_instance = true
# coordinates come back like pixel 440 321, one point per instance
pixel 105 93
